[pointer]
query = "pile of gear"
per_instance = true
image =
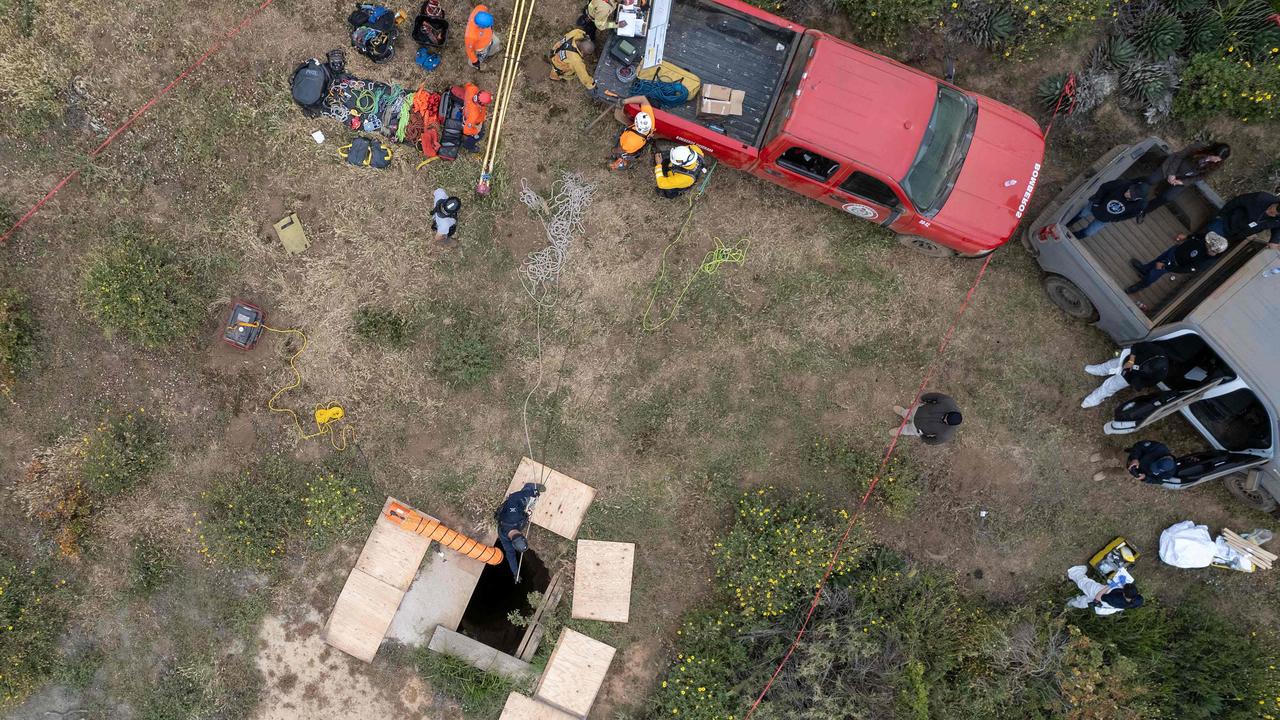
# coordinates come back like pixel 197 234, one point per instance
pixel 440 123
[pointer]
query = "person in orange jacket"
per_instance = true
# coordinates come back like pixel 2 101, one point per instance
pixel 480 41
pixel 635 134
pixel 475 109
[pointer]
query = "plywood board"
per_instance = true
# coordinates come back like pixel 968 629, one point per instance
pixel 564 504
pixel 438 596
pixel 602 580
pixel 519 707
pixel 390 554
pixel 361 615
pixel 575 671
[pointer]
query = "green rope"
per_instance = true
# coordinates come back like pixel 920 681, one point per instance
pixel 711 262
pixel 363 95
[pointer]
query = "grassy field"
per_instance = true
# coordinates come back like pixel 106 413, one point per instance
pixel 142 458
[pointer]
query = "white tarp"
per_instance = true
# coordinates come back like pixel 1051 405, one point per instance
pixel 1187 545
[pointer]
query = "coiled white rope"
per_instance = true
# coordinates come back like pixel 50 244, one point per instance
pixel 562 215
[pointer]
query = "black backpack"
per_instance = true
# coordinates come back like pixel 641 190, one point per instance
pixel 310 86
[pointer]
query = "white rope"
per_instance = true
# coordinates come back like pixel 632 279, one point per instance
pixel 562 215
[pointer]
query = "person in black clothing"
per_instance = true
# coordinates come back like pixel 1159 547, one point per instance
pixel 934 420
pixel 1114 201
pixel 513 518
pixel 1139 367
pixel 1151 462
pixel 1190 255
pixel 1247 215
pixel 1184 168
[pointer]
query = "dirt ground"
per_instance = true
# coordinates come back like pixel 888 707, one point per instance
pixel 827 325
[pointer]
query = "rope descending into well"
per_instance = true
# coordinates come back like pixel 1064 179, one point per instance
pixel 562 214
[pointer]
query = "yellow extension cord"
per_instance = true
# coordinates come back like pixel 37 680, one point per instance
pixel 325 415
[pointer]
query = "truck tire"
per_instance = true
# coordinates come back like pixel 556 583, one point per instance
pixel 925 246
pixel 1069 298
pixel 1259 499
pixel 1024 236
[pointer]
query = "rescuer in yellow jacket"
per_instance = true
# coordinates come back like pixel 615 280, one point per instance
pixel 678 170
pixel 567 58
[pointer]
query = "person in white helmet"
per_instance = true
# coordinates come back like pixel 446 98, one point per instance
pixel 677 171
pixel 635 134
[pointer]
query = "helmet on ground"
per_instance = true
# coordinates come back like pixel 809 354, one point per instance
pixel 484 20
pixel 484 97
pixel 644 123
pixel 683 156
pixel 448 207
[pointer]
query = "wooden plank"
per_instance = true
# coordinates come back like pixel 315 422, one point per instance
pixel 602 580
pixel 575 672
pixel 361 615
pixel 550 599
pixel 390 554
pixel 519 707
pixel 564 504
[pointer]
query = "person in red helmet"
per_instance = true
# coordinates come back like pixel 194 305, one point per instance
pixel 475 110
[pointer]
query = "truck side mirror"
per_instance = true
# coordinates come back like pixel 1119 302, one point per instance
pixel 949 69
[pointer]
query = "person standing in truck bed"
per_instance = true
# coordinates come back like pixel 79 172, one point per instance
pixel 1187 166
pixel 1247 215
pixel 1117 200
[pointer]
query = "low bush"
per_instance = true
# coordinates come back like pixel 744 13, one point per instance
pixel 197 686
pixel 52 492
pixel 1213 85
pixel 478 693
pixel 17 337
pixel 776 552
pixel 849 463
pixel 151 565
pixel 31 619
pixel 383 326
pixel 143 291
pixel 467 349
pixel 886 21
pixel 249 518
pixel 123 450
pixel 340 503
pixel 1016 29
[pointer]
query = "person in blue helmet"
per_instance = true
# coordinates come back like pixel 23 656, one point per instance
pixel 513 520
pixel 480 42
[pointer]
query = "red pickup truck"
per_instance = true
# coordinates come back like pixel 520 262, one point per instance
pixel 950 171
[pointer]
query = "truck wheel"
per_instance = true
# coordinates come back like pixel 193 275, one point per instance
pixel 926 247
pixel 1259 499
pixel 1069 298
pixel 1024 235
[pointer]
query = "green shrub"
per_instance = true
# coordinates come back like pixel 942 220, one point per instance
pixel 340 503
pixel 709 677
pixel 125 449
pixel 777 550
pixel 480 694
pixel 1191 661
pixel 848 462
pixel 151 565
pixel 249 518
pixel 467 349
pixel 382 326
pixel 1030 25
pixel 143 291
pixel 988 25
pixel 1221 86
pixel 17 337
pixel 1159 35
pixel 31 620
pixel 1206 33
pixel 887 20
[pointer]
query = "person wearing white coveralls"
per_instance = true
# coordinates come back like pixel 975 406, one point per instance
pixel 1106 599
pixel 1141 366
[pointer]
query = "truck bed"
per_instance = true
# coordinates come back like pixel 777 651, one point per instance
pixel 722 47
pixel 1171 297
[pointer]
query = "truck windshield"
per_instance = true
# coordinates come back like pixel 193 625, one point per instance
pixel 942 151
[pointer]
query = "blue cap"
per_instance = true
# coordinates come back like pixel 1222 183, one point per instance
pixel 484 20
pixel 1163 466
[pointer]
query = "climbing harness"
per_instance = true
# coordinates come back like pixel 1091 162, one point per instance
pixel 326 416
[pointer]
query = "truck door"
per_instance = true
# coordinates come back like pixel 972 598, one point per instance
pixel 801 170
pixel 1136 414
pixel 866 196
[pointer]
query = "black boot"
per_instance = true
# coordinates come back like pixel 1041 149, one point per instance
pixel 1138 267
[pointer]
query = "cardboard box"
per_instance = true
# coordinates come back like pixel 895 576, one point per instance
pixel 720 100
